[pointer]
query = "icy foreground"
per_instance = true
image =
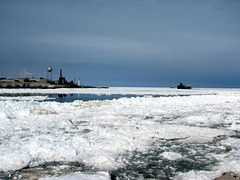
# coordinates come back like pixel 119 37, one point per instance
pixel 196 128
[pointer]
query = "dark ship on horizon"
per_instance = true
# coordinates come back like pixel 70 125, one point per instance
pixel 181 86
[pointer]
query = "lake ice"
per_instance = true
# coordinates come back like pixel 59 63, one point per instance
pixel 125 133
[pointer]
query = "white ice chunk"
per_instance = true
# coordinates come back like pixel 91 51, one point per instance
pixel 231 142
pixel 172 156
pixel 14 160
pixel 40 110
pixel 43 151
pixel 235 126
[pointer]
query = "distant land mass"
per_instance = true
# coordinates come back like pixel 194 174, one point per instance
pixel 39 83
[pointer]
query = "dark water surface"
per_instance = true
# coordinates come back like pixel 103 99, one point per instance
pixel 91 97
pixel 84 97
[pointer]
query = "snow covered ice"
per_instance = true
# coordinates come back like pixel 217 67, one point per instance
pixel 131 133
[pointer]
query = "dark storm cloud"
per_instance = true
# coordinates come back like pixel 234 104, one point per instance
pixel 143 43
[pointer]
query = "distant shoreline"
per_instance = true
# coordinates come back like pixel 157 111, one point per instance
pixel 36 84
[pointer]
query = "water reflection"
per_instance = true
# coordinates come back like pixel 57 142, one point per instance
pixel 62 95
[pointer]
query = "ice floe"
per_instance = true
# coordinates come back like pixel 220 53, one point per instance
pixel 100 133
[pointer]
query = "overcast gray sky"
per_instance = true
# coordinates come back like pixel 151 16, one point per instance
pixel 123 42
